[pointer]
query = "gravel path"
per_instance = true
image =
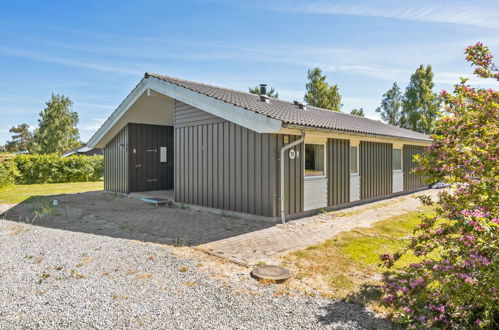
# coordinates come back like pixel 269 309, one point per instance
pixel 51 278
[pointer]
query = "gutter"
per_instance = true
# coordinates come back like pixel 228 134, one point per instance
pixel 281 193
pixel 332 130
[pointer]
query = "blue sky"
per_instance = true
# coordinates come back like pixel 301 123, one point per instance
pixel 95 52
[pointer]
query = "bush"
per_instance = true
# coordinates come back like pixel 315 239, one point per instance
pixel 454 285
pixel 8 173
pixel 51 168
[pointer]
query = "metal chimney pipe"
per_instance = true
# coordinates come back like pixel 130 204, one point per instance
pixel 263 89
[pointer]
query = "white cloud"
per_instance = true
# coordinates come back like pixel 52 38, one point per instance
pixel 94 125
pixel 95 106
pixel 64 61
pixel 291 94
pixel 373 116
pixel 475 13
pixel 453 78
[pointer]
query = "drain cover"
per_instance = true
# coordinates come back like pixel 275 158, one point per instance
pixel 271 272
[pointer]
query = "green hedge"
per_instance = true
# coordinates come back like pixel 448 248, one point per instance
pixel 8 173
pixel 28 169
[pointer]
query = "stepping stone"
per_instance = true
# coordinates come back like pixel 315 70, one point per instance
pixel 154 200
pixel 271 273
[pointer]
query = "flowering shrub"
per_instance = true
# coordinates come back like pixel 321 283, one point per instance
pixel 455 283
pixel 50 168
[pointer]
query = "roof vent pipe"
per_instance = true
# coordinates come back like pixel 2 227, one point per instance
pixel 263 89
pixel 300 105
pixel 264 98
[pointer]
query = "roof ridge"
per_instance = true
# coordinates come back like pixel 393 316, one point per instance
pixel 157 75
pixel 380 124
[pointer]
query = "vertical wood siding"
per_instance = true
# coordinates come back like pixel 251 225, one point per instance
pixel 116 163
pixel 222 165
pixel 225 166
pixel 294 172
pixel 338 171
pixel 411 180
pixel 376 175
pixel 150 174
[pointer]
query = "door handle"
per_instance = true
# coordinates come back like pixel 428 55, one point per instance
pixel 138 165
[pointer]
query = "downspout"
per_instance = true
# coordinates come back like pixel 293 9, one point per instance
pixel 283 150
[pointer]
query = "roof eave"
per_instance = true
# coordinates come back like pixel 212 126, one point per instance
pixel 257 122
pixel 347 132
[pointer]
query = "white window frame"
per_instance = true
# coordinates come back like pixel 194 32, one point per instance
pixel 357 158
pixel 312 177
pixel 401 161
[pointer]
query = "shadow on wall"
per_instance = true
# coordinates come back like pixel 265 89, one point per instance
pixel 108 214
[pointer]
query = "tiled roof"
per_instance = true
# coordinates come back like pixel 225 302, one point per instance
pixel 290 114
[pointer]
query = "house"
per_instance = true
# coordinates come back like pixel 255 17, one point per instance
pixel 225 149
pixel 84 150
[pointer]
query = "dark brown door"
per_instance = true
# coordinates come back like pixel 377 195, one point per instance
pixel 149 169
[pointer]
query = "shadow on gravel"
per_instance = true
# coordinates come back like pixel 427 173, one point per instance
pixel 108 214
pixel 356 316
pixel 352 310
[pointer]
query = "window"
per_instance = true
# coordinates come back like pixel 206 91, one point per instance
pixel 397 159
pixel 353 161
pixel 314 160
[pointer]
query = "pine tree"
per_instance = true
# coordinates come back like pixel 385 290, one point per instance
pixel 270 92
pixel 357 112
pixel 57 131
pixel 320 94
pixel 421 106
pixel 391 106
pixel 22 139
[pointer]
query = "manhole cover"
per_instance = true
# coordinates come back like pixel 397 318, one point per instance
pixel 271 272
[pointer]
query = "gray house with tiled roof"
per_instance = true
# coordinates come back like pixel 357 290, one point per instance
pixel 223 149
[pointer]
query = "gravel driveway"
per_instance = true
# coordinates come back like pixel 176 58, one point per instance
pixel 52 278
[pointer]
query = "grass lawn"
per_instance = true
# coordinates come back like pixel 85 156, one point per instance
pixel 347 266
pixel 18 193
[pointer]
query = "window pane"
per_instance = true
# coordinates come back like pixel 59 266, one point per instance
pixel 397 159
pixel 353 160
pixel 314 160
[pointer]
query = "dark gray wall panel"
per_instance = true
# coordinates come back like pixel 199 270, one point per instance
pixel 338 171
pixel 146 172
pixel 186 115
pixel 116 163
pixel 226 166
pixel 411 180
pixel 376 174
pixel 293 175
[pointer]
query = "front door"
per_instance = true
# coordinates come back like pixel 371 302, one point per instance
pixel 151 157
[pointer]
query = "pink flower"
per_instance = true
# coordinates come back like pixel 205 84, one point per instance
pixel 406 309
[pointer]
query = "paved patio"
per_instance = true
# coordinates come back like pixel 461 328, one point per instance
pixel 267 245
pixel 115 215
pixel 241 240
